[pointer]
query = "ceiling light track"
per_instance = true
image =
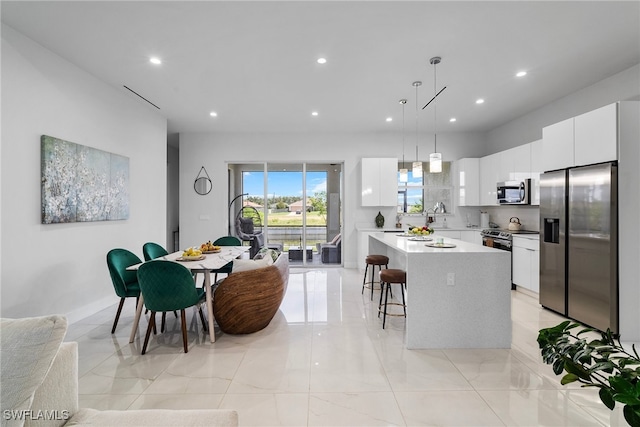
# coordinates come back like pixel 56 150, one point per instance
pixel 140 96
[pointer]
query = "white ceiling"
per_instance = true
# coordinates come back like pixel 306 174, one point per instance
pixel 254 63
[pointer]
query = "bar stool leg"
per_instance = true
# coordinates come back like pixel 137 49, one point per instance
pixel 364 279
pixel 380 302
pixel 373 273
pixel 386 298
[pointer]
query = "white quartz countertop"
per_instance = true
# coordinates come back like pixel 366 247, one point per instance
pixel 404 228
pixel 404 244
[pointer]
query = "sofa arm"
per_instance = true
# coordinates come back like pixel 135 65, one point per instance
pixel 156 418
pixel 57 396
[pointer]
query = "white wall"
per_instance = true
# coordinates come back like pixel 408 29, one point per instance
pixel 61 268
pixel 623 86
pixel 214 151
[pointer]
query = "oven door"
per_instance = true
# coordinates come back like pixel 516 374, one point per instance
pixel 493 242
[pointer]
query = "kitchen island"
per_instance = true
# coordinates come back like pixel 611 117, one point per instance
pixel 457 297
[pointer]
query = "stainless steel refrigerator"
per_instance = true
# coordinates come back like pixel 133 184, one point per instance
pixel 579 245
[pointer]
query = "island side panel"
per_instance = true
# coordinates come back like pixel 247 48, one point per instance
pixel 473 313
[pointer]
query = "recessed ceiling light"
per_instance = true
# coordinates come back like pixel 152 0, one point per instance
pixel 452 119
pixel 213 114
pixel 521 74
pixel 155 60
pixel 314 113
pixel 321 60
pixel 480 101
pixel 389 119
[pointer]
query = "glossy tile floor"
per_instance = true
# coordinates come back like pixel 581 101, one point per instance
pixel 326 361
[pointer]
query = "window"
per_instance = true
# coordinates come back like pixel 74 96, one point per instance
pixel 418 194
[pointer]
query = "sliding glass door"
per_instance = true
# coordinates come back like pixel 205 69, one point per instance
pixel 299 205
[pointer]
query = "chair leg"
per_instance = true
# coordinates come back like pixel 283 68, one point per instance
pixel 164 319
pixel 380 303
pixel 373 273
pixel 386 298
pixel 175 313
pixel 152 325
pixel 115 322
pixel 184 330
pixel 364 279
pixel 204 322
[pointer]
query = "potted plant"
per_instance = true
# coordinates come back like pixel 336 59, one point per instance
pixel 602 362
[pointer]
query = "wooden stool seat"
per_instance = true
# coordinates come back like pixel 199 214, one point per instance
pixel 388 277
pixel 377 260
pixel 393 275
pixel 373 260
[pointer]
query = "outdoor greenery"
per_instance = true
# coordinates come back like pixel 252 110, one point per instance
pixel 602 363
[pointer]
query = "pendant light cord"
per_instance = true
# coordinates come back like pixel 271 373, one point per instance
pixel 435 125
pixel 416 85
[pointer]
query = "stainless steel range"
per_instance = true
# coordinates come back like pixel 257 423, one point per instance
pixel 502 239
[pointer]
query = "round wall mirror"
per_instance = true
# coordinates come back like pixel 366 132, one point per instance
pixel 202 185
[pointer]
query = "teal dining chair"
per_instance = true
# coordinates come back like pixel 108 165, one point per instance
pixel 124 282
pixel 168 286
pixel 152 250
pixel 225 241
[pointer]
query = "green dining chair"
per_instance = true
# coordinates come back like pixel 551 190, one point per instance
pixel 168 286
pixel 124 282
pixel 152 250
pixel 225 241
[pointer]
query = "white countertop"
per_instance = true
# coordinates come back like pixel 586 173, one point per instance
pixel 526 236
pixel 404 244
pixel 404 228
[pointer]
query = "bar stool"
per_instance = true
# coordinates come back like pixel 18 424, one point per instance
pixel 373 261
pixel 389 277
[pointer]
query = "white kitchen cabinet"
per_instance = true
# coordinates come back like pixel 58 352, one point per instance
pixel 471 236
pixel 489 177
pixel 449 234
pixel 520 163
pixel 557 145
pixel 379 181
pixel 536 170
pixel 525 257
pixel 596 136
pixel 468 182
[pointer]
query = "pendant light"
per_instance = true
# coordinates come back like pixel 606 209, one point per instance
pixel 417 165
pixel 404 173
pixel 435 158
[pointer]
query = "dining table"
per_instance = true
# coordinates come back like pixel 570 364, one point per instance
pixel 206 265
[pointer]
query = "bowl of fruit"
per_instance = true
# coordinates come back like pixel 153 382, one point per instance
pixel 209 248
pixel 420 233
pixel 191 254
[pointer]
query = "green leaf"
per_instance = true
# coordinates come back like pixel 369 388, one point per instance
pixel 576 369
pixel 607 398
pixel 568 378
pixel 622 385
pixel 627 399
pixel 558 366
pixel 632 415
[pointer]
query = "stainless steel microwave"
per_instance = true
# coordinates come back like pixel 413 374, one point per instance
pixel 514 192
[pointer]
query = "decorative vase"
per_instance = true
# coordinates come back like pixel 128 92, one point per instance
pixel 379 220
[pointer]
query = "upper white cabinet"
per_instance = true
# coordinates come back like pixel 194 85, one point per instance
pixel 596 136
pixel 489 177
pixel 582 140
pixel 520 163
pixel 557 145
pixel 379 181
pixel 468 182
pixel 536 170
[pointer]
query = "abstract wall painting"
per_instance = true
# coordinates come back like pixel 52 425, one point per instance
pixel 81 184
